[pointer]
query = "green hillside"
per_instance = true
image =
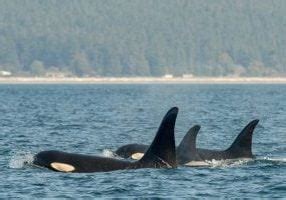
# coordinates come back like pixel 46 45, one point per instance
pixel 143 38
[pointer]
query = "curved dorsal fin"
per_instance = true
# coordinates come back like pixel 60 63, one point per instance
pixel 163 147
pixel 187 150
pixel 243 142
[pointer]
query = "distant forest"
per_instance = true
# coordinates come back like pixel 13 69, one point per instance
pixel 143 37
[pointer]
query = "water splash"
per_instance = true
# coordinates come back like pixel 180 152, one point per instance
pixel 239 162
pixel 273 160
pixel 228 163
pixel 108 153
pixel 19 160
pixel 218 163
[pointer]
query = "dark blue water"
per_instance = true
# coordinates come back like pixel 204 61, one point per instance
pixel 96 119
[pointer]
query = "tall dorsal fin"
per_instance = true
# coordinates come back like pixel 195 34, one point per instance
pixel 163 149
pixel 187 150
pixel 243 142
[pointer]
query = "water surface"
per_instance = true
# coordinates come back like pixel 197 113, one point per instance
pixel 96 119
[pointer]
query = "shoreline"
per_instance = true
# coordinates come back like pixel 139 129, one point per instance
pixel 143 80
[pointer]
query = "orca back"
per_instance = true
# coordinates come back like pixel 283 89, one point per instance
pixel 70 162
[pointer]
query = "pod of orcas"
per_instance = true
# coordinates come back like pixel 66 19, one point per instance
pixel 189 154
pixel 162 153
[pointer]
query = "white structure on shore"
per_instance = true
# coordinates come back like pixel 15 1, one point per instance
pixel 168 76
pixel 5 73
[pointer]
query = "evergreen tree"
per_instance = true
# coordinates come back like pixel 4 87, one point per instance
pixel 37 68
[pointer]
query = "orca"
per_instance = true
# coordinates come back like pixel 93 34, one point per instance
pixel 241 148
pixel 160 154
pixel 136 151
pixel 189 154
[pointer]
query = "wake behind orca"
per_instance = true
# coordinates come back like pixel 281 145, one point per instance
pixel 160 154
pixel 187 151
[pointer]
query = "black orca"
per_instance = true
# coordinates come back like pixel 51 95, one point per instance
pixel 187 151
pixel 160 154
pixel 240 148
pixel 136 151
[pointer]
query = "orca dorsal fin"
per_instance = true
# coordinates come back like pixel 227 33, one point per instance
pixel 163 150
pixel 243 142
pixel 187 150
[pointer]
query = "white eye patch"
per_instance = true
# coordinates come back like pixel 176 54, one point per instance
pixel 62 167
pixel 137 156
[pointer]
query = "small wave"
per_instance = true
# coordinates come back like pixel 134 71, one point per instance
pixel 239 162
pixel 273 160
pixel 19 160
pixel 228 163
pixel 218 163
pixel 68 127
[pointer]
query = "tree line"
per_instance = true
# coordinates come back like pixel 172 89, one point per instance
pixel 143 38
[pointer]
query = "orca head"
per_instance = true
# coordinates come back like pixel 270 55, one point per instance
pixel 52 160
pixel 127 151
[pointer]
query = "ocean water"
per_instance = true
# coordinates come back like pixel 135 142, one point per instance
pixel 97 119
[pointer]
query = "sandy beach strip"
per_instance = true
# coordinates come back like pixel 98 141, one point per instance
pixel 143 80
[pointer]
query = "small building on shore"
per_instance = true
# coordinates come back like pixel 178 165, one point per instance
pixel 168 76
pixel 5 73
